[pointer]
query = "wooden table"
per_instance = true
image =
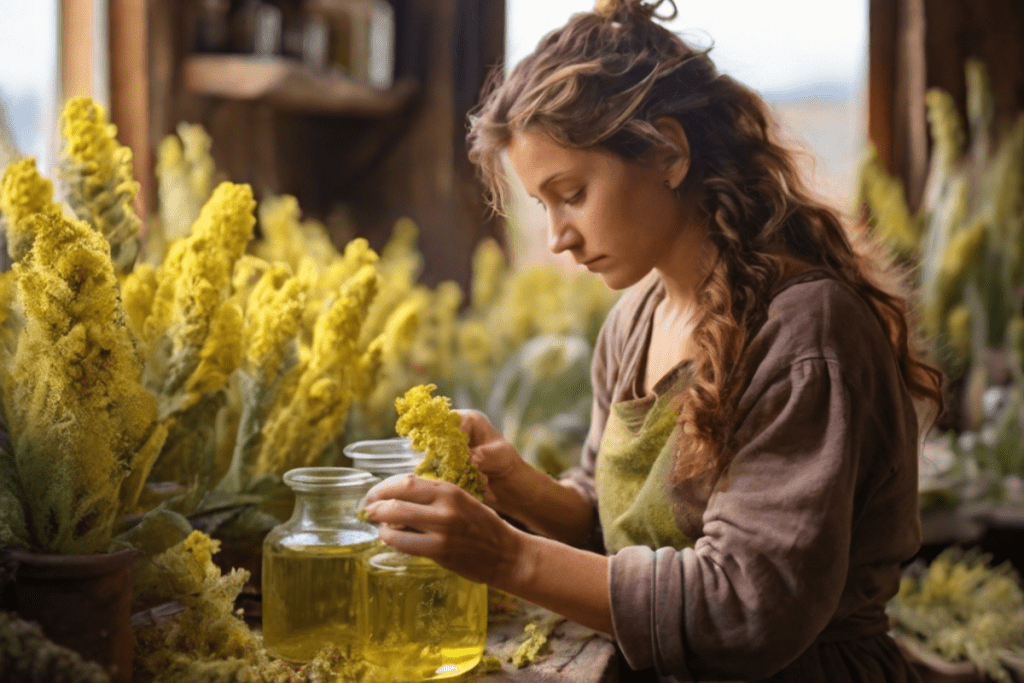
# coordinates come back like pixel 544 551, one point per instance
pixel 574 654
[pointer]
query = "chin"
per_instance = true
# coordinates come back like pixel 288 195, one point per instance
pixel 620 281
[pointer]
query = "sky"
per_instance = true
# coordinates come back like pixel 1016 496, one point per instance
pixel 777 47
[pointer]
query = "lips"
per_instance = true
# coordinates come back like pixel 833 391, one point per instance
pixel 592 261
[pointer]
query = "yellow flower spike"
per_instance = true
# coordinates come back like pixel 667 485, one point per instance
pixel 80 412
pixel 312 415
pixel 197 272
pixel 279 220
pixel 137 291
pixel 221 352
pixel 476 345
pixel 97 173
pixel 402 242
pixel 273 320
pixel 369 364
pixel 489 267
pixel 434 430
pixel 23 193
pixel 186 174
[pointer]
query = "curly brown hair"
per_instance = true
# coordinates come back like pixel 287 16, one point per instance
pixel 603 80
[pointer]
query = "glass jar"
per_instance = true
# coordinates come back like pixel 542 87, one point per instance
pixel 425 622
pixel 383 457
pixel 314 566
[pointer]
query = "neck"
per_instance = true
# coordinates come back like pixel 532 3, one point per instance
pixel 687 262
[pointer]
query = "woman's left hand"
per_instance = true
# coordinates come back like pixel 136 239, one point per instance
pixel 438 520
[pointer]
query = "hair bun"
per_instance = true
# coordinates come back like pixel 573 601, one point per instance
pixel 628 11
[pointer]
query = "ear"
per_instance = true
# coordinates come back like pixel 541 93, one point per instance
pixel 673 158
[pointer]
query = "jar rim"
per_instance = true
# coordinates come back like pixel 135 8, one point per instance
pixel 387 449
pixel 328 478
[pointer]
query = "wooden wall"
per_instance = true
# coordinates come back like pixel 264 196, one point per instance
pixel 358 173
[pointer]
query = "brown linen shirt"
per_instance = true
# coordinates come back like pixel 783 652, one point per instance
pixel 799 542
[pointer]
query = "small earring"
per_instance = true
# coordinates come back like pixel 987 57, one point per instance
pixel 668 185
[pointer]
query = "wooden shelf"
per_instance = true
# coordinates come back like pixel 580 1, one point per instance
pixel 289 84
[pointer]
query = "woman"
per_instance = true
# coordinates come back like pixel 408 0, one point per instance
pixel 748 489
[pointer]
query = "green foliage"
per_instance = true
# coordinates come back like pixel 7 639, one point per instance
pixel 962 608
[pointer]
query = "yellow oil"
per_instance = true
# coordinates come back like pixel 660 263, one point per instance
pixel 314 596
pixel 425 622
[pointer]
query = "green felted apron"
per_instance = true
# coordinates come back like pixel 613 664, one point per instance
pixel 634 464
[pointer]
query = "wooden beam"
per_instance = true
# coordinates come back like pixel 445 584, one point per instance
pixel 883 24
pixel 76 48
pixel 129 90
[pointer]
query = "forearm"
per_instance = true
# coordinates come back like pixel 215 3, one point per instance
pixel 544 505
pixel 560 578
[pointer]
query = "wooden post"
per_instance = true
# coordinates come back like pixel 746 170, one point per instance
pixel 76 48
pixel 129 91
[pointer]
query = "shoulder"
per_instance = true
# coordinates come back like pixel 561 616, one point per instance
pixel 822 320
pixel 820 317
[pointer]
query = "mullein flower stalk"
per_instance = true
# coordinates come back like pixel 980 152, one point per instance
pixel 193 335
pixel 289 239
pixel 23 194
pixel 78 412
pixel 311 414
pixel 272 320
pixel 96 172
pixel 186 176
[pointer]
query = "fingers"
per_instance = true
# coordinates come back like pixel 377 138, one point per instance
pixel 416 516
pixel 407 487
pixel 476 425
pixel 411 542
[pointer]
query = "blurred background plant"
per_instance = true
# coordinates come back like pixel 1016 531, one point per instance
pixel 966 244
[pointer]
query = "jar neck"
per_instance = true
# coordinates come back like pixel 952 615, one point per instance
pixel 325 508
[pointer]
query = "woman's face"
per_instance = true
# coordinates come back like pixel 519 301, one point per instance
pixel 614 216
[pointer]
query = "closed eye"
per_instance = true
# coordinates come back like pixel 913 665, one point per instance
pixel 576 198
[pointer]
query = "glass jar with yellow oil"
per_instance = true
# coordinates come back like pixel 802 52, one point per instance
pixel 314 566
pixel 425 622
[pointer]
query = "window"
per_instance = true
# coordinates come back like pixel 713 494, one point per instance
pixel 28 75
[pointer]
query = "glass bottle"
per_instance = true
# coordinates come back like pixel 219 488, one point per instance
pixel 425 622
pixel 314 566
pixel 383 457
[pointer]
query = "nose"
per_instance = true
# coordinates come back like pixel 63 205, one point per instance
pixel 561 235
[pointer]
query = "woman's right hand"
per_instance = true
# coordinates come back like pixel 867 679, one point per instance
pixel 493 454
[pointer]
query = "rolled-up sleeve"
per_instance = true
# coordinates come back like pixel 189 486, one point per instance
pixel 767 575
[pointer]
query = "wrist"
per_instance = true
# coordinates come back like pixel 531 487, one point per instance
pixel 519 563
pixel 514 489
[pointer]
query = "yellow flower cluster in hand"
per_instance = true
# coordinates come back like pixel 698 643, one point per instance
pixel 97 173
pixel 434 430
pixel 78 412
pixel 24 193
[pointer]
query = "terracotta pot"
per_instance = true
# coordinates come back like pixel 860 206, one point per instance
pixel 82 602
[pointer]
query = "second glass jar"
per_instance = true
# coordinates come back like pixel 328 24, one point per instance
pixel 424 621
